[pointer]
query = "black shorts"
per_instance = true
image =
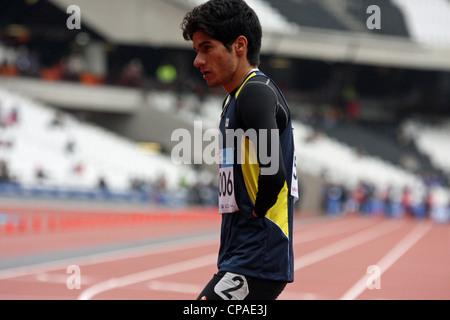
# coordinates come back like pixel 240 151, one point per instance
pixel 232 286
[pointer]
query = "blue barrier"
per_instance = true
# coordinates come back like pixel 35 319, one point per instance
pixel 16 190
pixel 396 210
pixel 333 206
pixel 419 211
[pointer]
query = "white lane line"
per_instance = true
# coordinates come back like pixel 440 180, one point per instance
pixel 59 278
pixel 129 253
pixel 323 232
pixel 346 244
pixel 150 274
pixel 116 255
pixel 175 287
pixel 155 273
pixel 389 259
pixel 147 275
pixel 142 251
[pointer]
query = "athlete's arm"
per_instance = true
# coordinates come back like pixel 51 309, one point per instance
pixel 256 109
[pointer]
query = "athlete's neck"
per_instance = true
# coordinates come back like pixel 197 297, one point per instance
pixel 254 69
pixel 242 76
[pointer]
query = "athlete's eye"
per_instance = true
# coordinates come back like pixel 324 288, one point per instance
pixel 206 48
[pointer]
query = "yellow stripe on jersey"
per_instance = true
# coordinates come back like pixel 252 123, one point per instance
pixel 250 167
pixel 278 213
pixel 243 84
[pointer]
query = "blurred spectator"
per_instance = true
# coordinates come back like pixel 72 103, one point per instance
pixel 194 194
pixel 429 201
pixel 132 74
pixel 78 169
pixel 57 120
pixel 23 60
pixel 6 143
pixel 396 210
pixel 353 110
pixel 410 162
pixel 335 198
pixel 161 183
pixel 40 174
pixel 166 73
pixel 55 72
pixel 76 65
pixel 4 171
pixel 358 197
pixel 160 188
pixel 101 183
pixel 13 117
pixel 10 118
pixel 8 61
pixel 202 194
pixel 403 138
pixel 137 185
pixel 330 117
pixel 407 201
pixel 313 136
pixel 369 193
pixel 350 101
pixel 69 147
pixel 386 198
pixel 378 202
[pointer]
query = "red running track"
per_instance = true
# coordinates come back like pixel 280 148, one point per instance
pixel 170 255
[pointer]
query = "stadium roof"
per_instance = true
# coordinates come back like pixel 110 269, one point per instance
pixel 412 34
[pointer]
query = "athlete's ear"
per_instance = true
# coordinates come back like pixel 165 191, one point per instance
pixel 240 45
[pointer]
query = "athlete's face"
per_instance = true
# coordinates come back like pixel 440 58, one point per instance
pixel 217 64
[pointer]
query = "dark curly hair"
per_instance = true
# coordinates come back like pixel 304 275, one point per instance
pixel 225 20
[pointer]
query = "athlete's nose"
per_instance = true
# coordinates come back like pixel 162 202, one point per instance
pixel 199 61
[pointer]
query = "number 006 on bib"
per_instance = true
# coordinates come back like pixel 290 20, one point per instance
pixel 227 201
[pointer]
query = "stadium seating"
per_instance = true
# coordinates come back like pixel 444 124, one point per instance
pixel 431 139
pixel 427 20
pixel 41 137
pixel 36 140
pixel 307 14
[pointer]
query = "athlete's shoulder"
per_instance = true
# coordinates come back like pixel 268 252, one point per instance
pixel 260 77
pixel 258 85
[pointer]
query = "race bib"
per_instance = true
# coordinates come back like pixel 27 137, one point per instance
pixel 232 287
pixel 227 200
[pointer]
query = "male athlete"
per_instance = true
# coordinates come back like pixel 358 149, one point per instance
pixel 258 178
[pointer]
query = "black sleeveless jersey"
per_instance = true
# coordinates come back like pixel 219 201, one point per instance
pixel 256 247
